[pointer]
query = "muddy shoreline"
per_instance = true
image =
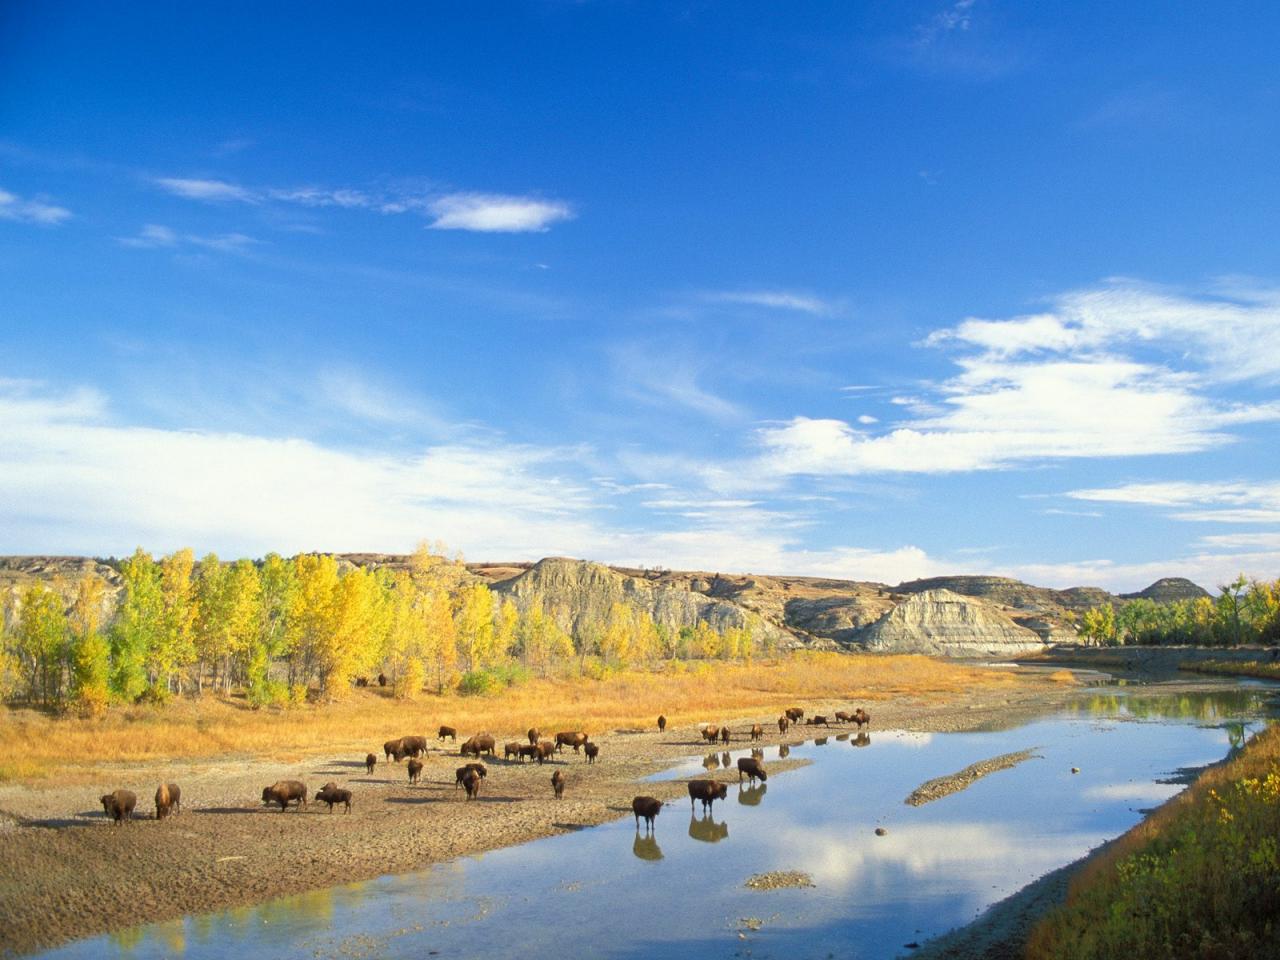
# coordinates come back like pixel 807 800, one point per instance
pixel 68 874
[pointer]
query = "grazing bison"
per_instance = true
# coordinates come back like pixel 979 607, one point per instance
pixel 534 736
pixel 415 771
pixel 511 750
pixel 783 723
pixel 370 762
pixel 662 724
pixel 392 749
pixel 285 792
pixel 168 800
pixel 592 750
pixel 573 739
pixel 528 751
pixel 706 791
pixel 119 805
pixel 471 783
pixel 557 784
pixel 546 750
pixel 724 734
pixel 413 746
pixel 794 714
pixel 478 769
pixel 843 716
pixel 757 731
pixel 753 768
pixel 711 734
pixel 478 744
pixel 647 807
pixel 332 794
pixel 449 732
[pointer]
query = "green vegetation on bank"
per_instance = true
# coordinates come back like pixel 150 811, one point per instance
pixel 1243 612
pixel 279 628
pixel 1199 879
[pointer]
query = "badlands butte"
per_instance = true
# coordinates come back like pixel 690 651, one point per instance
pixel 960 616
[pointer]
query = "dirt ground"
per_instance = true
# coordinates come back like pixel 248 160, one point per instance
pixel 67 873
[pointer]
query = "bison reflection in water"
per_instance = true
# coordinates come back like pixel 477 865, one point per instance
pixel 707 830
pixel 784 751
pixel 711 761
pixel 842 737
pixel 726 761
pixel 646 847
pixel 751 796
pixel 820 742
pixel 862 740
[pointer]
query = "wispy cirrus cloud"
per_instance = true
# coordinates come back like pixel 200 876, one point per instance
pixel 496 213
pixel 212 191
pixel 37 211
pixel 1235 501
pixel 154 236
pixel 772 299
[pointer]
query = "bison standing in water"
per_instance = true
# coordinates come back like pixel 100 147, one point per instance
pixel 706 791
pixel 119 805
pixel 557 783
pixel 647 807
pixel 753 768
pixel 168 799
pixel 285 792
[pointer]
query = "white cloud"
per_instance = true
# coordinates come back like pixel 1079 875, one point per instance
pixel 866 419
pixel 152 235
pixel 323 197
pixel 774 299
pixel 669 377
pixel 216 191
pixel 157 236
pixel 1209 568
pixel 496 213
pixel 13 207
pixel 1235 501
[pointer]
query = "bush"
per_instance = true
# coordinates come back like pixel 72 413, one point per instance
pixel 480 683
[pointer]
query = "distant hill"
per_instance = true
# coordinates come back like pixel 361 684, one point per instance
pixel 959 613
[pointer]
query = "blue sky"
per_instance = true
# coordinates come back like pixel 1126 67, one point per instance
pixel 874 291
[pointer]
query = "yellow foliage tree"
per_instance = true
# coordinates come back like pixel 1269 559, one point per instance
pixel 474 621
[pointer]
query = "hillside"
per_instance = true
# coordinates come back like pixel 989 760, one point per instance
pixel 793 611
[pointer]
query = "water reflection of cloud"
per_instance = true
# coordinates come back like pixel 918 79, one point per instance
pixel 1145 792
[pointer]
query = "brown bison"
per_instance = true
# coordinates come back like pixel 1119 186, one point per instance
pixel 711 733
pixel 285 792
pixel 860 717
pixel 753 769
pixel 573 739
pixel 647 807
pixel 528 752
pixel 662 724
pixel 362 681
pixel 392 749
pixel 511 750
pixel 546 750
pixel 415 771
pixel 413 746
pixel 332 794
pixel 557 784
pixel 794 714
pixel 119 805
pixel 460 774
pixel 843 716
pixel 706 791
pixel 382 679
pixel 370 762
pixel 592 750
pixel 757 731
pixel 818 720
pixel 724 734
pixel 168 800
pixel 471 783
pixel 533 736
pixel 449 732
pixel 478 744
pixel 783 723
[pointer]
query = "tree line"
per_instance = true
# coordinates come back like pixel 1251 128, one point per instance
pixel 1244 612
pixel 282 629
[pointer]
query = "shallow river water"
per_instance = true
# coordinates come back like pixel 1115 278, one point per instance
pixel 610 891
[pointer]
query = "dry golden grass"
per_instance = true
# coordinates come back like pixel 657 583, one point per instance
pixel 37 745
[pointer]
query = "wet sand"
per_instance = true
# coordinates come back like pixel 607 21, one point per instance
pixel 67 873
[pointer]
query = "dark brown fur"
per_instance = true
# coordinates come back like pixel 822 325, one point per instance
pixel 285 792
pixel 573 739
pixel 662 724
pixel 449 732
pixel 460 774
pixel 168 800
pixel 592 750
pixel 757 731
pixel 413 746
pixel 783 723
pixel 647 807
pixel 415 771
pixel 533 736
pixel 471 782
pixel 392 749
pixel 370 762
pixel 557 783
pixel 711 734
pixel 546 750
pixel 332 795
pixel 753 769
pixel 724 734
pixel 794 714
pixel 119 805
pixel 706 791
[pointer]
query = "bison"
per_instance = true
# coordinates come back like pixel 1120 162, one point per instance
pixel 860 717
pixel 662 724
pixel 557 784
pixel 573 739
pixel 818 720
pixel 168 799
pixel 471 783
pixel 285 792
pixel 392 749
pixel 794 714
pixel 413 746
pixel 362 681
pixel 592 750
pixel 119 805
pixel 528 751
pixel 647 807
pixel 843 716
pixel 449 732
pixel 724 734
pixel 382 679
pixel 783 723
pixel 332 794
pixel 460 774
pixel 753 769
pixel 415 771
pixel 546 750
pixel 706 791
pixel 511 750
pixel 478 744
pixel 757 731
pixel 711 733
pixel 370 762
pixel 534 736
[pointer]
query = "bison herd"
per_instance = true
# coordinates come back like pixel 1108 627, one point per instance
pixel 119 806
